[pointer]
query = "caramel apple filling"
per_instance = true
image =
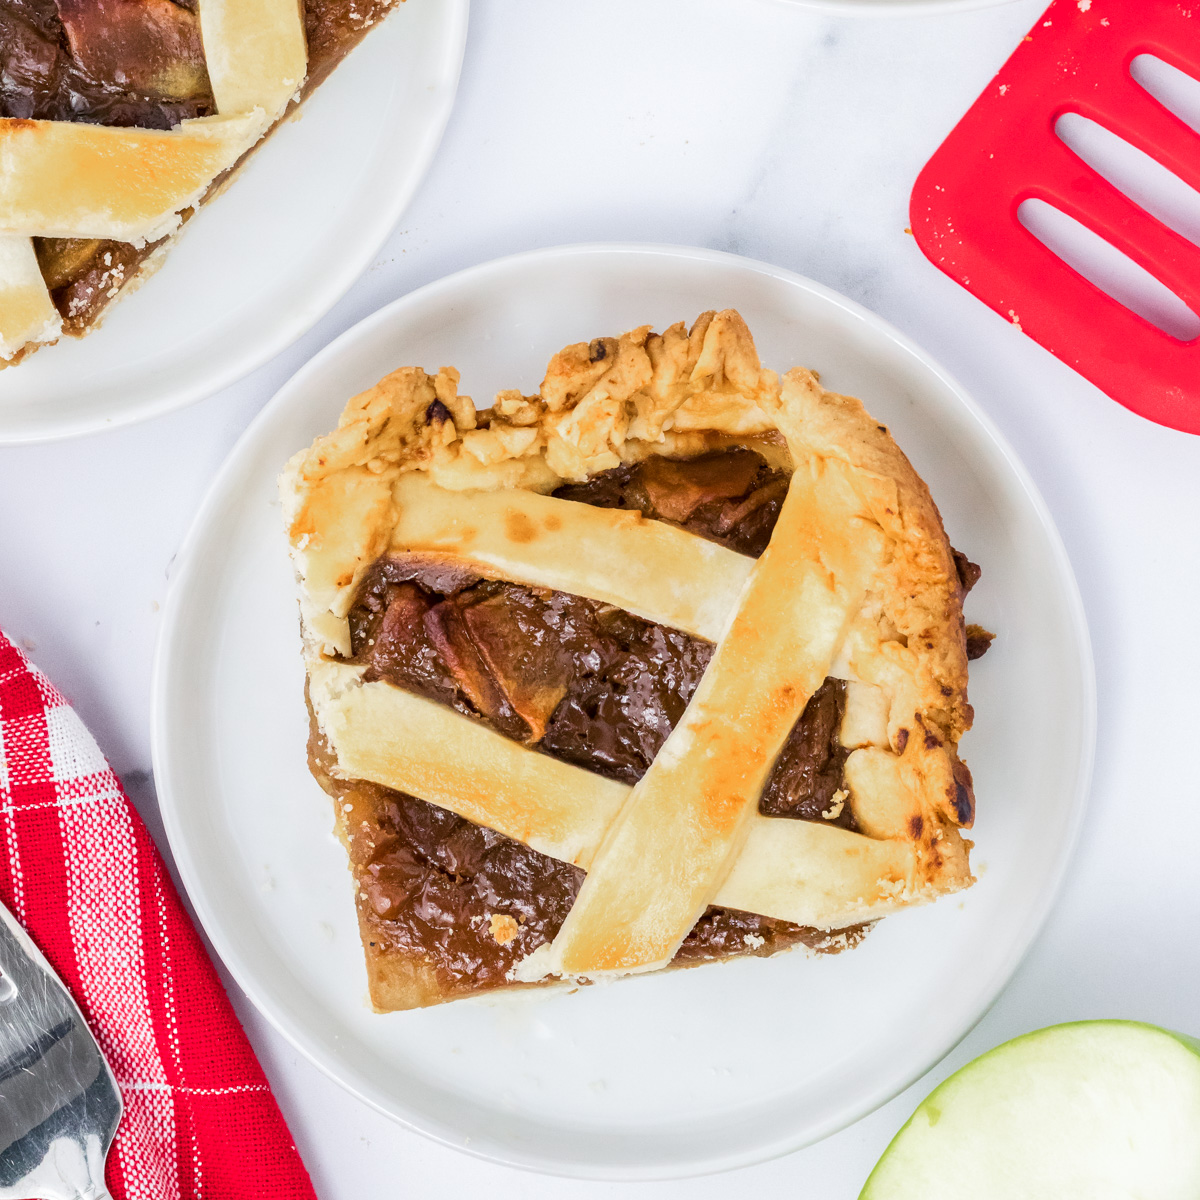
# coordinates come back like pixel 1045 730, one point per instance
pixel 583 682
pixel 129 63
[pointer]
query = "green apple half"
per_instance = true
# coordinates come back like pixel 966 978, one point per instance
pixel 1098 1110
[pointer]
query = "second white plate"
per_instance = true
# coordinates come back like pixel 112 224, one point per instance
pixel 666 1075
pixel 267 259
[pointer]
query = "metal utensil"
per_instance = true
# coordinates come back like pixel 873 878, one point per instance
pixel 59 1103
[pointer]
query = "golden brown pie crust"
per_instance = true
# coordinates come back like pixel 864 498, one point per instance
pixel 85 275
pixel 619 400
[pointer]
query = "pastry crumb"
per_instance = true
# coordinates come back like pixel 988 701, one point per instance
pixel 837 803
pixel 504 928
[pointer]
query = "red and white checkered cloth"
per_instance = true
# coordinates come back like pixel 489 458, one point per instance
pixel 80 872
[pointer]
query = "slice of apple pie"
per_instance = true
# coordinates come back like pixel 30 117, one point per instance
pixel 661 665
pixel 118 118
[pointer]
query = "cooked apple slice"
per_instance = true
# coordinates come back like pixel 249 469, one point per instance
pixel 677 488
pixel 1099 1110
pixel 148 46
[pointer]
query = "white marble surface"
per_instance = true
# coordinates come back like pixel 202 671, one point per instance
pixel 761 127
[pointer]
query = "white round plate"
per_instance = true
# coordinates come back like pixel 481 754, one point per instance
pixel 261 264
pixel 659 1076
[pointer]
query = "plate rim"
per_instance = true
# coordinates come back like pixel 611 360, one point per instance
pixel 243 973
pixel 454 19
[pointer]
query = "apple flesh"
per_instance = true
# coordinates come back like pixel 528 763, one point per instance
pixel 1099 1110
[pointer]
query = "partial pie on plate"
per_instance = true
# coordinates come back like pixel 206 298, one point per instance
pixel 118 118
pixel 662 665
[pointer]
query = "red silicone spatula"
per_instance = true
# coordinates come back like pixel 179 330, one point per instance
pixel 1005 151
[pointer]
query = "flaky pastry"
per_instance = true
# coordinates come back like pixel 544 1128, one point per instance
pixel 119 119
pixel 677 642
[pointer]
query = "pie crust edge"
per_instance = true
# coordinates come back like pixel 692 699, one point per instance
pixel 604 403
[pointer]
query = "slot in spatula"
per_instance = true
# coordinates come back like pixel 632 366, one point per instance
pixel 1077 58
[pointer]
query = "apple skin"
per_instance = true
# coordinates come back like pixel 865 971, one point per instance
pixel 1094 1110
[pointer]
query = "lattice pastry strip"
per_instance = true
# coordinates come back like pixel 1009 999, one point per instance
pixel 664 856
pixel 70 179
pixel 857 582
pixel 813 875
pixel 27 314
pixel 81 180
pixel 649 568
pixel 255 53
